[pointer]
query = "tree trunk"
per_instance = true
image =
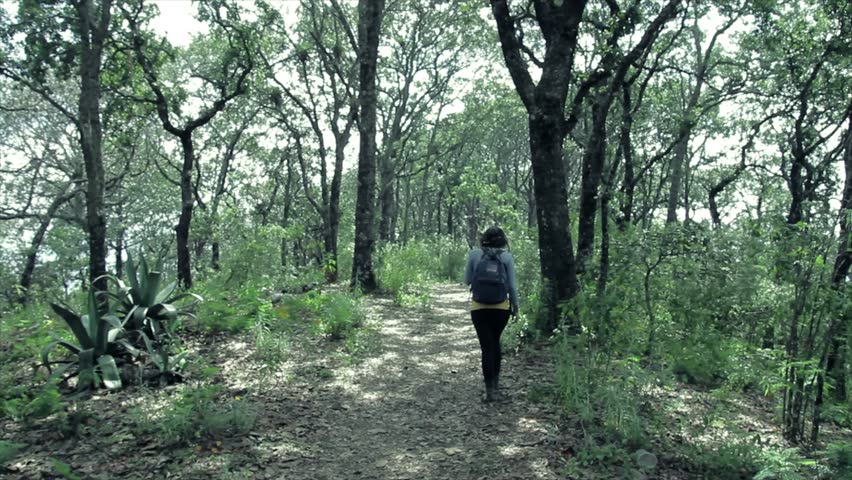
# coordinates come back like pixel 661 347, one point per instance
pixel 554 236
pixel 92 38
pixel 369 30
pixel 593 162
pixel 628 185
pixel 35 244
pixel 119 252
pixel 545 106
pixel 187 203
pixel 386 195
pixel 836 360
pixel 677 168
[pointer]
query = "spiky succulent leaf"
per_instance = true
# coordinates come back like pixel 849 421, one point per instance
pixel 75 323
pixel 109 372
pixel 196 297
pixel 132 275
pixel 152 287
pixel 86 362
pixel 164 294
pixel 93 316
pixel 164 311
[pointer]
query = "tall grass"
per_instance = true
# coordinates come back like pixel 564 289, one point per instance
pixel 405 271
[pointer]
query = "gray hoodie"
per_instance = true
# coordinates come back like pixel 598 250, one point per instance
pixel 508 260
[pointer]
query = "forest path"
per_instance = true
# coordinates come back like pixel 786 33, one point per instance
pixel 414 409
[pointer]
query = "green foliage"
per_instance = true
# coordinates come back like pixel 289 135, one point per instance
pixel 406 270
pixel 782 465
pixel 148 309
pixel 271 346
pixel 64 470
pixel 9 450
pixel 229 309
pixel 699 361
pixel 253 255
pixel 599 390
pixel 335 315
pixel 194 414
pixel 98 334
pixel 728 461
pixel 839 456
pixel 26 408
pixel 516 333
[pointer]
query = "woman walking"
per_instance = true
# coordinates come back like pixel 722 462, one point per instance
pixel 490 272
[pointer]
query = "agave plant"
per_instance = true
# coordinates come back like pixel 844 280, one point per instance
pixel 99 340
pixel 147 309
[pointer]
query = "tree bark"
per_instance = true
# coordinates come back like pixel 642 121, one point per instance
pixel 836 360
pixel 93 29
pixel 369 30
pixel 187 201
pixel 595 155
pixel 26 280
pixel 184 135
pixel 545 106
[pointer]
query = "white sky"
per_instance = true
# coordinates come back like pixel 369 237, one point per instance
pixel 177 18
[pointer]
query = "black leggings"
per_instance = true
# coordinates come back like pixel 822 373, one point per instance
pixel 489 324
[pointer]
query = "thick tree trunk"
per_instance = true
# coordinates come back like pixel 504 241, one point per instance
pixel 93 27
pixel 369 29
pixel 187 202
pixel 554 236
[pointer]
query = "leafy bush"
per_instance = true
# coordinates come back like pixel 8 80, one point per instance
pixel 406 271
pixel 339 315
pixel 193 415
pixel 229 309
pixel 516 332
pixel 699 361
pixel 27 408
pixel 99 340
pixel 784 464
pixel 839 456
pixel 8 451
pixel 729 461
pixel 600 390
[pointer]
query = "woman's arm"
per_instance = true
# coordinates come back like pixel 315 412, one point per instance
pixel 468 270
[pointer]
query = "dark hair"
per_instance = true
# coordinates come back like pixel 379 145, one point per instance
pixel 493 237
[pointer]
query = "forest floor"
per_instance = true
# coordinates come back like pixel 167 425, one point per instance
pixel 410 409
pixel 407 408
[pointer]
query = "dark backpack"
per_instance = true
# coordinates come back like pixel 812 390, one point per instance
pixel 490 284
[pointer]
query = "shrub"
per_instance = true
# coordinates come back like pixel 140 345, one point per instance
pixel 839 456
pixel 27 408
pixel 729 461
pixel 405 271
pixel 193 415
pixel 230 310
pixel 8 451
pixel 339 315
pixel 601 390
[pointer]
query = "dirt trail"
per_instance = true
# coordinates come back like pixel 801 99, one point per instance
pixel 414 410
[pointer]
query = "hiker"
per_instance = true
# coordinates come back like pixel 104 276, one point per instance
pixel 490 272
